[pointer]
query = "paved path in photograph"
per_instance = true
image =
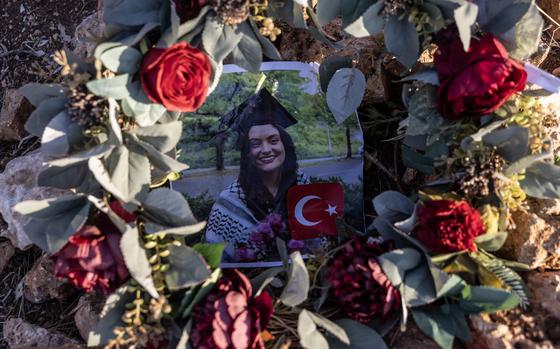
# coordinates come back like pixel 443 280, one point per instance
pixel 198 181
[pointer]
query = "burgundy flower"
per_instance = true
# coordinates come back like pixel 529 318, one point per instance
pixel 476 82
pixel 177 77
pixel 358 283
pixel 120 211
pixel 188 9
pixel 92 259
pixel 448 226
pixel 229 317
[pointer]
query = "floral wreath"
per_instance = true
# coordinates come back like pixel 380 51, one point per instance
pixel 109 130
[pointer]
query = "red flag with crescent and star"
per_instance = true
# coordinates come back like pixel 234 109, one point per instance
pixel 314 208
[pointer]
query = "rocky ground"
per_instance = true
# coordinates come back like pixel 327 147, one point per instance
pixel 38 310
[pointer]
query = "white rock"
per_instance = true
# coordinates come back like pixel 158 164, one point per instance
pixel 18 182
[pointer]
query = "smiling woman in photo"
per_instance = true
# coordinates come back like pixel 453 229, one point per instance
pixel 268 168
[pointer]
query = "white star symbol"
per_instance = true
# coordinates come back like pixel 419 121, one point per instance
pixel 331 210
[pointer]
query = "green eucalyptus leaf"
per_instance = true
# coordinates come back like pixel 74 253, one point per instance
pixel 447 7
pixel 351 10
pixel 131 12
pixel 123 173
pixel 327 10
pixel 212 253
pixel 330 66
pixel 436 325
pixel 429 76
pixel 360 335
pixel 187 268
pixel 110 317
pixel 332 328
pixel 158 159
pixel 465 17
pixel 396 263
pixel 122 59
pixel 309 335
pixel 45 112
pixel 219 39
pixel 197 294
pixel 401 39
pixel 248 53
pixel 145 112
pixel 116 87
pixel 153 228
pixel 476 299
pixel 168 207
pixel 135 38
pixel 136 260
pixel 423 117
pixel 288 11
pixel 542 180
pixel 393 206
pixel 512 143
pixel 53 221
pixel 297 286
pixel 498 16
pixel 523 40
pixel 524 163
pixel 268 47
pixel 38 93
pixel 186 31
pixel 345 92
pixel 262 280
pixel 371 22
pixel 491 241
pixel 55 142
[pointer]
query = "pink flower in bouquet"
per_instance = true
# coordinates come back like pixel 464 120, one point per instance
pixel 189 9
pixel 447 226
pixel 358 283
pixel 296 245
pixel 177 77
pixel 230 317
pixel 245 254
pixel 92 260
pixel 477 82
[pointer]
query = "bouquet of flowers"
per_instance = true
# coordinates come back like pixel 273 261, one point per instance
pixel 108 131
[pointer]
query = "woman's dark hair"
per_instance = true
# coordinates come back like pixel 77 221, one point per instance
pixel 259 199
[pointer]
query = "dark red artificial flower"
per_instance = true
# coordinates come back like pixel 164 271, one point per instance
pixel 358 283
pixel 92 259
pixel 447 226
pixel 476 82
pixel 189 9
pixel 229 317
pixel 177 77
pixel 120 211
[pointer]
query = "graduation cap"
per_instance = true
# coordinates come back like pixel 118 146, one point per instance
pixel 259 109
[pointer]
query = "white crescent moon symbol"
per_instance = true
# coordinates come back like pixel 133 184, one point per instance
pixel 299 211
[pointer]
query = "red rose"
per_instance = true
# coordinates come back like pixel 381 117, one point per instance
pixel 92 260
pixel 188 9
pixel 120 211
pixel 476 82
pixel 176 77
pixel 358 283
pixel 229 317
pixel 448 226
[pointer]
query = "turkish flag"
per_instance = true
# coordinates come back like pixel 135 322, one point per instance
pixel 314 208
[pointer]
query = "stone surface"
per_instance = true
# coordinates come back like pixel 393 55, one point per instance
pixel 7 250
pixel 87 313
pixel 18 182
pixel 40 284
pixel 534 240
pixel 545 291
pixel 19 333
pixel 13 115
pixel 87 34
